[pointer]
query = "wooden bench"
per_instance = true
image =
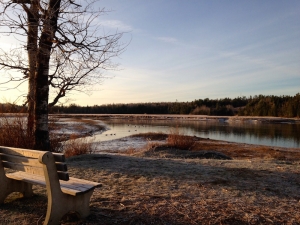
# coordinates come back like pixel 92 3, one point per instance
pixel 32 167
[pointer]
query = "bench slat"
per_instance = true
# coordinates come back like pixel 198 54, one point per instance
pixel 63 175
pixel 73 187
pixel 21 152
pixel 20 160
pixel 85 182
pixel 30 178
pixel 61 167
pixel 24 168
pixel 59 157
pixel 32 165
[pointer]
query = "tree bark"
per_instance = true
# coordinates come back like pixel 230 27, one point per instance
pixel 33 19
pixel 41 134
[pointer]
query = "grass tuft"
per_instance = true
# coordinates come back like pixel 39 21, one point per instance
pixel 77 146
pixel 177 140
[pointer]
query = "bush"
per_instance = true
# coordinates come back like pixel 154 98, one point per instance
pixel 180 141
pixel 77 146
pixel 13 132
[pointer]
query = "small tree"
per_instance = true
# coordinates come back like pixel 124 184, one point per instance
pixel 64 53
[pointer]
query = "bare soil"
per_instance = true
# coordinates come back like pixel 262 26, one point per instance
pixel 156 184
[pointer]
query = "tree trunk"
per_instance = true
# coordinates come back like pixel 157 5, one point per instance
pixel 32 52
pixel 41 94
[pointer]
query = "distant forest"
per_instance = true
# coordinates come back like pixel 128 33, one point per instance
pixel 258 105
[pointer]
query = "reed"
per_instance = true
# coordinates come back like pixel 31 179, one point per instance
pixel 13 132
pixel 177 140
pixel 77 146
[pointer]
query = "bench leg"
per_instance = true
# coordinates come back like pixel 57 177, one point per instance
pixel 81 204
pixel 64 203
pixel 11 186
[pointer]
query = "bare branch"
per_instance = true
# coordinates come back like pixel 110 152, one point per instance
pixel 21 1
pixel 79 52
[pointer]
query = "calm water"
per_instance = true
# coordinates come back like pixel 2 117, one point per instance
pixel 281 134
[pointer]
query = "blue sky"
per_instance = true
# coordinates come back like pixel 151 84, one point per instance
pixel 190 49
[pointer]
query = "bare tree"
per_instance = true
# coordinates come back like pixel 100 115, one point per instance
pixel 65 52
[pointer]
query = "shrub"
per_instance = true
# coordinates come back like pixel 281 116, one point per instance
pixel 77 146
pixel 177 140
pixel 13 132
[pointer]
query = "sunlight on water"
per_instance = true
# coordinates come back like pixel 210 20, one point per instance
pixel 283 135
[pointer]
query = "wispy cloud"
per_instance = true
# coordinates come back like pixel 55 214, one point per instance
pixel 116 24
pixel 167 39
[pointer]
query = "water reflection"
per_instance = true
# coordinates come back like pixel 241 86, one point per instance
pixel 284 134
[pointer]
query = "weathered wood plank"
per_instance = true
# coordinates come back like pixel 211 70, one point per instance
pixel 61 167
pixel 63 175
pixel 66 187
pixel 78 181
pixel 59 157
pixel 20 160
pixel 24 168
pixel 21 152
pixel 30 178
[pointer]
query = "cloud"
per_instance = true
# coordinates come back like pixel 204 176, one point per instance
pixel 116 24
pixel 167 39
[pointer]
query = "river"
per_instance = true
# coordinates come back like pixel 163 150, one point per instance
pixel 281 134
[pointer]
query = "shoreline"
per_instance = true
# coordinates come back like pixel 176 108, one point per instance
pixel 258 119
pixel 136 144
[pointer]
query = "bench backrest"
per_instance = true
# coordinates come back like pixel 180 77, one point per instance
pixel 30 161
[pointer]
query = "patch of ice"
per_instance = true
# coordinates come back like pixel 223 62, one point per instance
pixel 122 144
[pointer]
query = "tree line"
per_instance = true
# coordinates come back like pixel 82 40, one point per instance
pixel 258 105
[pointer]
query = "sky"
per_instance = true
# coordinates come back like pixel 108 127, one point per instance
pixel 182 50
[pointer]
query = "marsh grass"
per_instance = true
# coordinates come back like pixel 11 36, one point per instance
pixel 13 132
pixel 178 140
pixel 138 190
pixel 77 145
pixel 174 139
pixel 157 136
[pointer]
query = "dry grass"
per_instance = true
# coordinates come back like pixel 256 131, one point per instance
pixel 157 136
pixel 77 146
pixel 177 140
pixel 13 132
pixel 176 191
pixel 247 151
pixel 231 149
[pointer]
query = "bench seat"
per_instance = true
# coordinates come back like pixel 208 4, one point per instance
pixel 73 186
